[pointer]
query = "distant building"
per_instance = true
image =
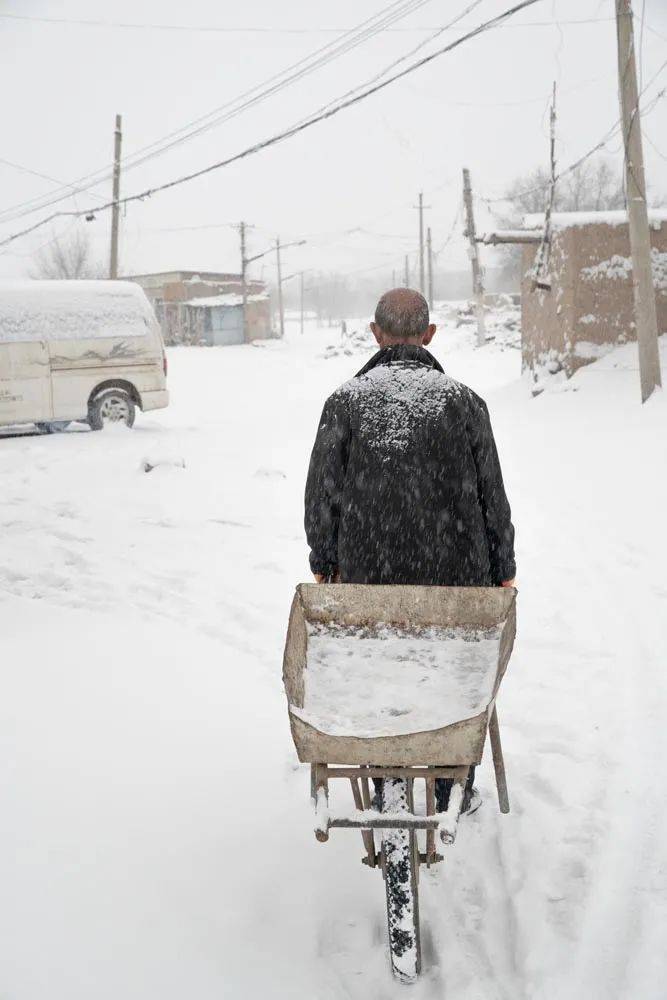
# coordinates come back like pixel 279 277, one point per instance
pixel 206 307
pixel 590 306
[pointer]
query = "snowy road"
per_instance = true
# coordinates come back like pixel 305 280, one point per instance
pixel 156 834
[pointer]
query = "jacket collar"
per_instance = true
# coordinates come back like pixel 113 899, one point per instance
pixel 401 354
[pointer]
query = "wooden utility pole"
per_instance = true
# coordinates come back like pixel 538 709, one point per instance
pixel 244 288
pixel 477 282
pixel 421 242
pixel 429 258
pixel 540 272
pixel 115 208
pixel 646 322
pixel 407 272
pixel 301 301
pixel 281 313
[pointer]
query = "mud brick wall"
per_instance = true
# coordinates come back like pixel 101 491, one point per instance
pixel 590 306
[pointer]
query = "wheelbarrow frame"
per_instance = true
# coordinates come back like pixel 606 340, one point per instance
pixel 368 819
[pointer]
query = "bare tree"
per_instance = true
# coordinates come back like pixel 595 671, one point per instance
pixel 595 185
pixel 68 256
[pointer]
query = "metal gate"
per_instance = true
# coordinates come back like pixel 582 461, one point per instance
pixel 226 325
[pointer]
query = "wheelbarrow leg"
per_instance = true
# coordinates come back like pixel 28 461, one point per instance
pixel 366 835
pixel 319 787
pixel 430 810
pixel 498 762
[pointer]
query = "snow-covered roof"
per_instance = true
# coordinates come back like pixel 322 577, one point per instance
pixel 227 299
pixel 31 310
pixel 563 220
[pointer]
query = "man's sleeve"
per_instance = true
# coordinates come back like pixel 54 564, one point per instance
pixel 324 486
pixel 492 497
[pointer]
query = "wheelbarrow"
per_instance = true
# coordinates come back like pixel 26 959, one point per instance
pixel 397 684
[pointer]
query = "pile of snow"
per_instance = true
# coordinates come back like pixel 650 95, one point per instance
pixel 72 310
pixel 350 343
pixel 453 317
pixel 502 319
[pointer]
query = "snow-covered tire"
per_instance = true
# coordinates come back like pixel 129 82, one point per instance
pixel 111 406
pixel 52 426
pixel 400 866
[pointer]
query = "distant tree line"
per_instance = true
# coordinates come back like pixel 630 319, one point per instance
pixel 594 186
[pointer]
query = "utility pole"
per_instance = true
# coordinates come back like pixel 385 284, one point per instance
pixel 393 278
pixel 407 272
pixel 477 282
pixel 429 258
pixel 421 242
pixel 280 290
pixel 646 322
pixel 301 300
pixel 115 208
pixel 244 288
pixel 541 277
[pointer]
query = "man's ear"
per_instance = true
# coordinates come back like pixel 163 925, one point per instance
pixel 377 333
pixel 430 333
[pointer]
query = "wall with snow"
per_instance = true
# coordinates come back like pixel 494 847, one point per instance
pixel 590 305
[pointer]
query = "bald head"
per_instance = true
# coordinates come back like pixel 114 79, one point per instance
pixel 401 316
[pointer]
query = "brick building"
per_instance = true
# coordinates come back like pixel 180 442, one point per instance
pixel 205 307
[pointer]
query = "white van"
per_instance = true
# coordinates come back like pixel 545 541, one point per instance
pixel 78 350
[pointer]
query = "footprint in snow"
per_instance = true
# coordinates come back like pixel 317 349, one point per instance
pixel 265 473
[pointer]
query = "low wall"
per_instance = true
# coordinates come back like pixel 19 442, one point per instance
pixel 589 308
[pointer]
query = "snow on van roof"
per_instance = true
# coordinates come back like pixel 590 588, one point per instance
pixel 72 310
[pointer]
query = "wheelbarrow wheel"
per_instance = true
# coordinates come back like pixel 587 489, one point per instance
pixel 399 863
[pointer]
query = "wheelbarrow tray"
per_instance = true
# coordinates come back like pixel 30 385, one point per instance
pixel 356 605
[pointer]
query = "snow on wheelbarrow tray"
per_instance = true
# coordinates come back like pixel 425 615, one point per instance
pixel 392 675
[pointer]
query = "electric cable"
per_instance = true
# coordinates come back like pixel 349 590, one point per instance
pixel 290 132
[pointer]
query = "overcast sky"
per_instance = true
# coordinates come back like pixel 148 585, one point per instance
pixel 483 106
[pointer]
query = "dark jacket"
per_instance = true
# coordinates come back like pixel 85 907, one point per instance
pixel 404 484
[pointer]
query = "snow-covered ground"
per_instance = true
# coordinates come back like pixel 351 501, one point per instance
pixel 156 831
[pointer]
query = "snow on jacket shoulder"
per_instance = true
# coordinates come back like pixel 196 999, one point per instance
pixel 404 484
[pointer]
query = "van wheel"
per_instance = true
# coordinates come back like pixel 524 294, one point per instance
pixel 53 427
pixel 112 406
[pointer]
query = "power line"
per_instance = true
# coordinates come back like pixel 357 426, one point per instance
pixel 296 129
pixel 591 152
pixel 350 40
pixel 333 50
pixel 34 173
pixel 407 55
pixel 53 239
pixel 575 88
pixel 136 159
pixel 158 147
pixel 451 233
pixel 375 267
pixel 653 145
pixel 256 29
